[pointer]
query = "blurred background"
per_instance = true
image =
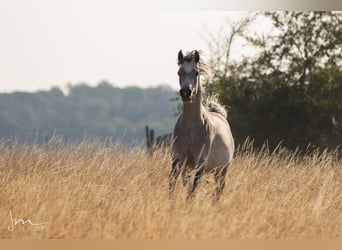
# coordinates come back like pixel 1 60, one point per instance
pixel 85 69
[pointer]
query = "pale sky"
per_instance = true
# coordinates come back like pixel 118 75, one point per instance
pixel 52 43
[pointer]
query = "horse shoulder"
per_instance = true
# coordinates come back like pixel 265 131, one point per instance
pixel 223 141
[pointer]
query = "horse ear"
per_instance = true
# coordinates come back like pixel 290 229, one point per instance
pixel 180 57
pixel 197 56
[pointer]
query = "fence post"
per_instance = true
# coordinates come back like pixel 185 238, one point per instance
pixel 149 139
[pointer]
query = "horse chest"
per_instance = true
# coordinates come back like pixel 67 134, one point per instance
pixel 190 138
pixel 192 142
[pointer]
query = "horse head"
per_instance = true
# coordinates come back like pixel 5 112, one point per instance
pixel 188 74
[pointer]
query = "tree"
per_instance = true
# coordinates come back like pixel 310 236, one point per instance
pixel 305 41
pixel 220 46
pixel 291 91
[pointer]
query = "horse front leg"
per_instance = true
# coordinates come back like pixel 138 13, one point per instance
pixel 175 170
pixel 198 176
pixel 185 175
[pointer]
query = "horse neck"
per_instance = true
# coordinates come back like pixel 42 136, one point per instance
pixel 193 111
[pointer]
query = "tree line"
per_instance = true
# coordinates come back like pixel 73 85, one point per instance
pixel 103 111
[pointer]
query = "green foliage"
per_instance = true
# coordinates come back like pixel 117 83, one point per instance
pixel 102 111
pixel 177 110
pixel 291 92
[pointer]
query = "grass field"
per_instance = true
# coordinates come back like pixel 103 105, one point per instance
pixel 89 190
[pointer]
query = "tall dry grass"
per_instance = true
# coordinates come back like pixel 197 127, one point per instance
pixel 91 190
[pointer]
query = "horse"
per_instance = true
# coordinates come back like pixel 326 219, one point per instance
pixel 202 138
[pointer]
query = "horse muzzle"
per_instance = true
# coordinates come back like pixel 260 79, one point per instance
pixel 185 93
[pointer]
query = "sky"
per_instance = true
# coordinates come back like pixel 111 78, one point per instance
pixel 57 42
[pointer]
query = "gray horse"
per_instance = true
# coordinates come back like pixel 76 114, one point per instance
pixel 202 139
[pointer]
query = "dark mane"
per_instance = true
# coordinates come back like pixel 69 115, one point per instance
pixel 202 66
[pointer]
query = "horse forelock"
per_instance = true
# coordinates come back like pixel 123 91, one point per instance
pixel 202 66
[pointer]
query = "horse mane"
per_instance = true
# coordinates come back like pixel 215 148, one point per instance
pixel 213 105
pixel 202 65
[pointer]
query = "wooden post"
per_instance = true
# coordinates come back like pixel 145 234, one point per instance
pixel 149 139
pixel 148 145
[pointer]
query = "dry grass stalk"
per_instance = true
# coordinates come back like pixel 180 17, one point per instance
pixel 95 191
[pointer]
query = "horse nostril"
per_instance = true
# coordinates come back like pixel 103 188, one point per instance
pixel 185 94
